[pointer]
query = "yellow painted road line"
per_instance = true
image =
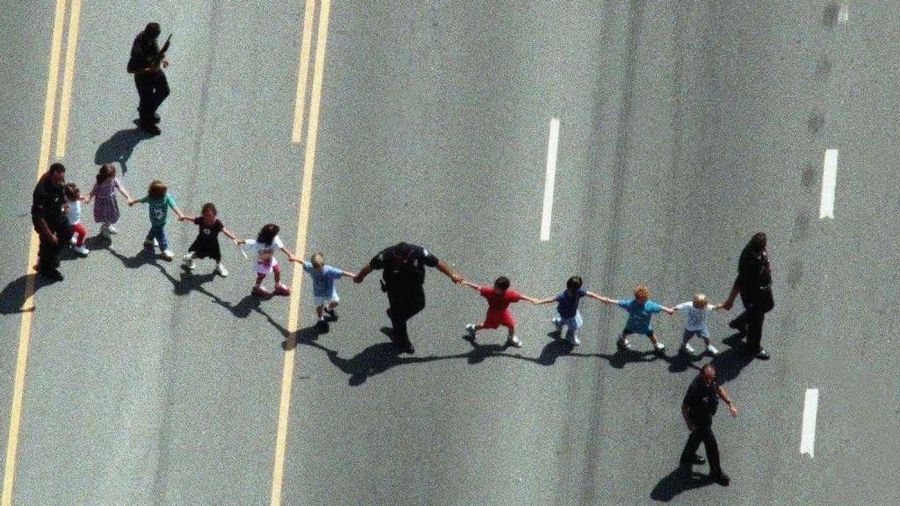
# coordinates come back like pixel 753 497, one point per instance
pixel 62 130
pixel 287 374
pixel 15 411
pixel 300 99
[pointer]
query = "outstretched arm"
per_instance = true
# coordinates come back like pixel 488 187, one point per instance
pixel 606 300
pixel 231 236
pixel 528 298
pixel 470 285
pixel 366 269
pixel 291 257
pixel 668 310
pixel 548 300
pixel 450 273
pixel 347 274
pixel 186 217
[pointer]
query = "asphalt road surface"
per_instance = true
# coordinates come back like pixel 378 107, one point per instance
pixel 685 127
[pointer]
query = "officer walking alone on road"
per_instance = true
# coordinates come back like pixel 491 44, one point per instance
pixel 146 63
pixel 402 280
pixel 698 408
pixel 754 283
pixel 50 222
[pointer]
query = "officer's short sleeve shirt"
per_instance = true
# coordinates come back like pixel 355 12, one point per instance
pixel 702 401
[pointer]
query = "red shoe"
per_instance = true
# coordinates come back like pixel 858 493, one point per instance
pixel 259 291
pixel 281 289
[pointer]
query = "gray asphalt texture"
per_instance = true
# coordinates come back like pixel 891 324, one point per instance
pixel 685 128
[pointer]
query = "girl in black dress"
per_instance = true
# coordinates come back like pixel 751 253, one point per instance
pixel 206 245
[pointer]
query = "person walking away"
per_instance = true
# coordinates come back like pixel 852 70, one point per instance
pixel 146 63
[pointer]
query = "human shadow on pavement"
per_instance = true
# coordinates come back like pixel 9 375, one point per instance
pixel 12 298
pixel 731 361
pixel 119 147
pixel 373 360
pixel 678 481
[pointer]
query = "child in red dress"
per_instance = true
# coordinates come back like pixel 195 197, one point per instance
pixel 499 297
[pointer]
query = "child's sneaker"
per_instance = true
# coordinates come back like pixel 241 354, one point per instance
pixel 687 348
pixel 514 341
pixel 111 229
pixel 557 322
pixel 167 254
pixel 221 270
pixel 74 240
pixel 624 343
pixel 712 350
pixel 105 233
pixel 81 250
pixel 259 291
pixel 332 313
pixel 189 261
pixel 470 330
pixel 282 289
pixel 574 340
pixel 149 243
pixel 659 347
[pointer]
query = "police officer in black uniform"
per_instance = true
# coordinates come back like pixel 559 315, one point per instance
pixel 754 283
pixel 50 222
pixel 146 63
pixel 404 273
pixel 698 408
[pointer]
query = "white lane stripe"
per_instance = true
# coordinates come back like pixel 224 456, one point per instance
pixel 808 433
pixel 550 179
pixel 829 180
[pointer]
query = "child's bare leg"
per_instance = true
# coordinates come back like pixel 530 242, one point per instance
pixel 259 280
pixel 277 274
pixel 510 331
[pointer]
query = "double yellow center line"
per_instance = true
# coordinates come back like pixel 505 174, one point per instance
pixel 15 411
pixel 287 373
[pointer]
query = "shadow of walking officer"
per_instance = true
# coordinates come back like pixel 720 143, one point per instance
pixel 119 147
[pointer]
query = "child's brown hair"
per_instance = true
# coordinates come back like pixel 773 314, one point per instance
pixel 317 260
pixel 72 192
pixel 107 170
pixel 157 189
pixel 209 207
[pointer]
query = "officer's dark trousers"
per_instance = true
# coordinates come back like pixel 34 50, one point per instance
pixel 48 253
pixel 153 88
pixel 753 318
pixel 704 434
pixel 404 304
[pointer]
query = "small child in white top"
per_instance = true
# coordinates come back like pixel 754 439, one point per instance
pixel 73 212
pixel 696 313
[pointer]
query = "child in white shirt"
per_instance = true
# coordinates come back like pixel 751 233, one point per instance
pixel 265 245
pixel 696 313
pixel 73 212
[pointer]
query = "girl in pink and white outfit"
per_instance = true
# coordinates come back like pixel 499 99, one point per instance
pixel 265 245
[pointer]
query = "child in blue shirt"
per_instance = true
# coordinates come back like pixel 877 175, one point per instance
pixel 324 292
pixel 640 309
pixel 567 313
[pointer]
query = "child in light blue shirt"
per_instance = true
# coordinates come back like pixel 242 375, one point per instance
pixel 324 291
pixel 640 310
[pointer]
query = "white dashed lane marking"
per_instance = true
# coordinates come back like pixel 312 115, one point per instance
pixel 550 179
pixel 808 432
pixel 829 181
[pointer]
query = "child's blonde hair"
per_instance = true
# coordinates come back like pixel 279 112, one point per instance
pixel 700 301
pixel 641 292
pixel 317 260
pixel 157 189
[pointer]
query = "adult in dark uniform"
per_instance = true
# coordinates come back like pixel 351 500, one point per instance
pixel 49 219
pixel 698 408
pixel 402 280
pixel 146 63
pixel 754 283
